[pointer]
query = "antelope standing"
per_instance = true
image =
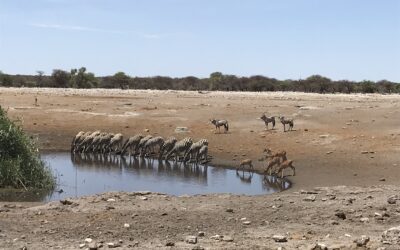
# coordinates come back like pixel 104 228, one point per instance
pixel 219 123
pixel 285 121
pixel 243 163
pixel 284 165
pixel 268 119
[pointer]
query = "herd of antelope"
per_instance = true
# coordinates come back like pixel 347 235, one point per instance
pixel 185 150
pixel 98 142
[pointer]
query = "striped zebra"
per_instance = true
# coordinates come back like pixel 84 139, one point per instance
pixel 203 154
pixel 141 143
pixel 152 143
pixel 167 146
pixel 77 139
pixel 95 141
pixel 194 150
pixel 219 123
pixel 87 141
pixel 268 119
pixel 181 146
pixel 115 143
pixel 101 146
pixel 285 121
pixel 131 144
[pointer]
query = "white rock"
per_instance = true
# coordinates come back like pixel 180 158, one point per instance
pixel 111 200
pixel 191 239
pixel 126 225
pixel 88 240
pixel 279 238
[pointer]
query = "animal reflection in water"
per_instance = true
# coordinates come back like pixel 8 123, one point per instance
pixel 140 165
pixel 268 182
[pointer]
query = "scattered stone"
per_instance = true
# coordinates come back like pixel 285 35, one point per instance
pixel 310 198
pixel 88 240
pixel 66 202
pixel 377 214
pixel 319 246
pixel 393 199
pixel 93 246
pixel 341 215
pixel 113 245
pixel 362 242
pixel 181 130
pixel 323 136
pixel 279 238
pixel 191 239
pixel 364 219
pixel 216 237
pixel 227 238
pixel 170 244
pixel 364 152
pixel 229 210
pixel 329 152
pixel 144 198
pixel 246 222
pixel 108 207
pixel 126 225
pixel 201 234
pixel 111 200
pixel 146 130
pixel 198 248
pixel 391 236
pixel 382 179
pixel 82 245
pixel 347 235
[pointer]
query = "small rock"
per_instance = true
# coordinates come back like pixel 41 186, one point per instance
pixel 201 234
pixel 362 242
pixel 216 237
pixel 181 129
pixel 323 136
pixel 229 210
pixel 310 198
pixel 126 225
pixel 393 199
pixel 341 215
pixel 111 200
pixel 246 222
pixel 347 235
pixel 144 198
pixel 227 239
pixel 170 244
pixel 382 179
pixel 364 152
pixel 279 238
pixel 319 246
pixel 88 240
pixel 146 130
pixel 364 219
pixel 82 245
pixel 93 246
pixel 113 245
pixel 198 248
pixel 66 202
pixel 191 239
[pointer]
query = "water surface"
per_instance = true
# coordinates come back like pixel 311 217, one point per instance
pixel 80 175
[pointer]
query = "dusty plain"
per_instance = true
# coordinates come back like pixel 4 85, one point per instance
pixel 348 144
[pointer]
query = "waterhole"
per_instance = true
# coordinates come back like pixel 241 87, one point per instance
pixel 79 175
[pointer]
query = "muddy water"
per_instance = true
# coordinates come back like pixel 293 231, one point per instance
pixel 80 175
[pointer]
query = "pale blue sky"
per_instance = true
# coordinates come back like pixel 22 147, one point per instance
pixel 340 39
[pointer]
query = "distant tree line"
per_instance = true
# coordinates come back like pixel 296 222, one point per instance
pixel 81 78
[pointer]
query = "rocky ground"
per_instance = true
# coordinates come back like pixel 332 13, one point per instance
pixel 348 140
pixel 319 218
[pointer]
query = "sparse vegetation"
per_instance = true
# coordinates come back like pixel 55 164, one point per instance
pixel 20 164
pixel 80 78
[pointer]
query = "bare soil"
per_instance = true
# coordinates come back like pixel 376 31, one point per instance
pixel 350 141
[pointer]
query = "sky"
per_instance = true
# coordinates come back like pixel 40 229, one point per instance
pixel 284 39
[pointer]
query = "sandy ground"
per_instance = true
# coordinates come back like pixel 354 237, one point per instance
pixel 350 140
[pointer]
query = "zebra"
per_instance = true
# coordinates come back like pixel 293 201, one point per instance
pixel 268 119
pixel 203 152
pixel 115 143
pixel 152 143
pixel 194 150
pixel 95 141
pixel 285 121
pixel 219 123
pixel 131 144
pixel 167 146
pixel 87 141
pixel 103 143
pixel 77 139
pixel 141 143
pixel 181 146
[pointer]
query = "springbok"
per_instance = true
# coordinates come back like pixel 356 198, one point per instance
pixel 245 162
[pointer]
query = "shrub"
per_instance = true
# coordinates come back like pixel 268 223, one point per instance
pixel 20 163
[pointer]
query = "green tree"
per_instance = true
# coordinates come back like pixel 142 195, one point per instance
pixel 121 80
pixel 60 78
pixel 5 80
pixel 81 79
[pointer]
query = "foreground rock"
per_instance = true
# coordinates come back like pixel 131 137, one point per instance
pixel 278 221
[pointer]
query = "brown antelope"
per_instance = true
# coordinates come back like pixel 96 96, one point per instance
pixel 284 165
pixel 245 162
